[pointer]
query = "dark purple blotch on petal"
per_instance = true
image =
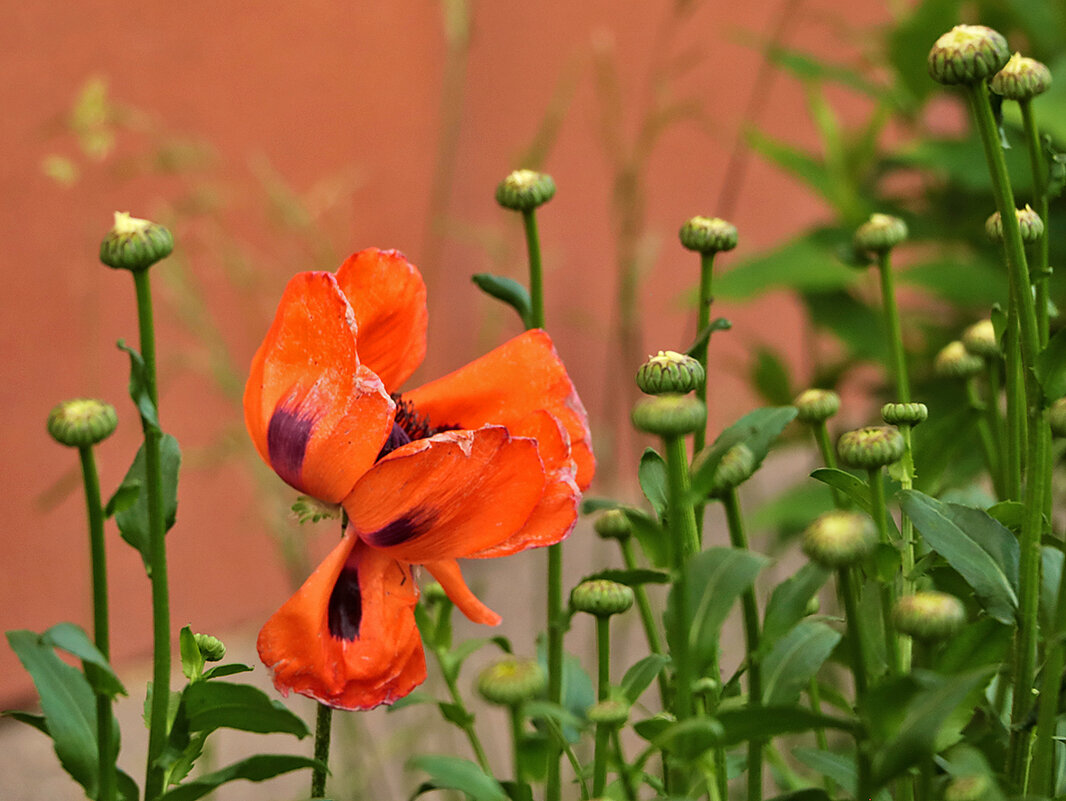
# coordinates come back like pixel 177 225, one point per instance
pixel 402 529
pixel 287 438
pixel 397 437
pixel 346 605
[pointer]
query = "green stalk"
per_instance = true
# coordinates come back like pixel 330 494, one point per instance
pixel 985 436
pixel 879 512
pixel 323 729
pixel 515 715
pixel 157 553
pixel 907 532
pixel 859 669
pixel 895 331
pixel 750 609
pixel 536 271
pixel 1038 169
pixel 467 723
pixel 623 769
pixel 1015 391
pixel 703 319
pixel 603 686
pixel 821 437
pixel 101 618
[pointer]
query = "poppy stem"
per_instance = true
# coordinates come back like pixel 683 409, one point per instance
pixel 603 686
pixel 323 726
pixel 536 273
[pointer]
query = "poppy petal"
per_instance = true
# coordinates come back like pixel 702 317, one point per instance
pixel 348 638
pixel 315 414
pixel 447 496
pixel 505 386
pixel 450 578
pixel 388 297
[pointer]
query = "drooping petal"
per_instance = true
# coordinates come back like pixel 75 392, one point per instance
pixel 315 414
pixel 348 636
pixel 447 496
pixel 450 578
pixel 555 514
pixel 506 386
pixel 388 298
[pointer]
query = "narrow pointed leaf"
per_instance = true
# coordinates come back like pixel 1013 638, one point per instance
pixel 210 705
pixel 508 290
pixel 1051 367
pixel 254 769
pixel 763 723
pixel 757 430
pixel 653 481
pixel 851 485
pixel 453 773
pixel 133 519
pixel 138 386
pixel 788 603
pixel 73 639
pixel 795 659
pixel 192 661
pixel 641 675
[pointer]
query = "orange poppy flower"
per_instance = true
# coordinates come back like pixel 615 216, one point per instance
pixel 487 461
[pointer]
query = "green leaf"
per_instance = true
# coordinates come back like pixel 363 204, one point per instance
pixel 807 167
pixel 453 773
pixel 509 291
pixel 809 68
pixel 631 578
pixel 765 722
pixel 688 739
pixel 73 639
pixel 1051 367
pixel 68 704
pixel 788 603
pixel 850 484
pixel 133 519
pixel 757 430
pixel 836 766
pixel 983 286
pixel 455 714
pixel 641 675
pixel 192 661
pixel 139 381
pixel 123 498
pixel 807 263
pixel 913 35
pixel 254 769
pixel 210 705
pixel 578 692
pixel 36 721
pixel 653 539
pixel 715 578
pixel 983 642
pixel 770 377
pixel 653 480
pixel 795 659
pixel 704 336
pixel 231 669
pixel 1051 560
pixel 937 524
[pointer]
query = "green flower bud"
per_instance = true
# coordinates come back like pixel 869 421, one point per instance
pixel 134 244
pixel 880 233
pixel 612 712
pixel 840 539
pixel 734 468
pixel 955 361
pixel 524 190
pixel 211 648
pixel 870 447
pixel 980 340
pixel 82 422
pixel 929 615
pixel 670 415
pixel 1056 417
pixel 967 788
pixel 911 414
pixel 601 597
pixel 613 525
pixel 668 372
pixel 1021 78
pixel 511 681
pixel 816 405
pixel 967 54
pixel 708 235
pixel 1029 223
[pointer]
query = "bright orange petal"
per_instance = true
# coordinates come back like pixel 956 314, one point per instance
pixel 447 573
pixel 504 387
pixel 447 496
pixel 388 297
pixel 348 637
pixel 316 415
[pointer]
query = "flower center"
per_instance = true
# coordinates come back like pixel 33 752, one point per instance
pixel 408 425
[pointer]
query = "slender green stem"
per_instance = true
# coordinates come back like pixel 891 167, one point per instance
pixel 1015 392
pixel 879 512
pixel 907 532
pixel 894 329
pixel 703 319
pixel 682 516
pixel 101 618
pixel 829 458
pixel 623 769
pixel 467 723
pixel 603 687
pixel 536 271
pixel 323 729
pixel 749 606
pixel 157 554
pixel 985 436
pixel 859 670
pixel 517 736
pixel 1038 168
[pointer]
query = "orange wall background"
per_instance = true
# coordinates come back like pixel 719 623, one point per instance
pixel 339 104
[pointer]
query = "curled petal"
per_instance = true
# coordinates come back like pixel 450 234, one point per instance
pixel 388 298
pixel 447 573
pixel 316 415
pixel 504 387
pixel 447 496
pixel 347 638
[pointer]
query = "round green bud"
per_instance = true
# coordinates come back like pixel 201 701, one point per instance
pixel 211 648
pixel 1021 78
pixel 134 244
pixel 967 788
pixel 816 405
pixel 705 685
pixel 1056 417
pixel 511 681
pixel 899 414
pixel 929 615
pixel 734 468
pixel 524 190
pixel 880 233
pixel 967 54
pixel 612 712
pixel 839 539
pixel 708 235
pixel 955 361
pixel 82 422
pixel 669 372
pixel 870 447
pixel 1029 223
pixel 613 525
pixel 670 415
pixel 980 340
pixel 601 597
